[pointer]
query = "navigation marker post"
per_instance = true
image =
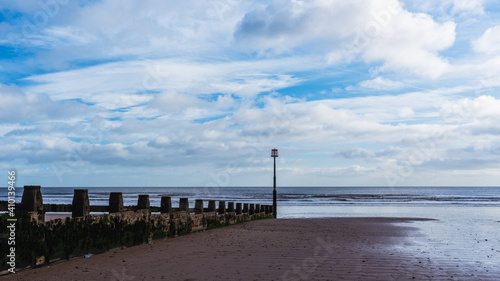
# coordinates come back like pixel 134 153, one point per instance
pixel 274 154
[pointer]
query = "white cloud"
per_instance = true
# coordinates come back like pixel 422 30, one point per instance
pixel 62 36
pixel 356 152
pixel 411 44
pixel 111 29
pixel 17 106
pixel 171 101
pixel 127 83
pixel 488 43
pixel 376 31
pixel 406 112
pixel 381 83
pixel 165 142
pixel 465 110
pixel 475 6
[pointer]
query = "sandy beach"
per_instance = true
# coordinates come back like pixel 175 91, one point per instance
pixel 55 216
pixel 283 249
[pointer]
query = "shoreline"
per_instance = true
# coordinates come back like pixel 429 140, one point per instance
pixel 283 249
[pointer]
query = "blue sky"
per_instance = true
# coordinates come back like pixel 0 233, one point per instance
pixel 169 93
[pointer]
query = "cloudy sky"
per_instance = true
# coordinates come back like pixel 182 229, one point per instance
pixel 197 93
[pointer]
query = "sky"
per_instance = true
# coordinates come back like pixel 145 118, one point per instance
pixel 197 93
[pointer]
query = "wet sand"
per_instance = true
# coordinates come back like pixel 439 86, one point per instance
pixel 283 249
pixel 62 216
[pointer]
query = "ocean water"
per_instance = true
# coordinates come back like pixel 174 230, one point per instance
pixel 308 202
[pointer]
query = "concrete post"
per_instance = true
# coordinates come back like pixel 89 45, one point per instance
pixel 115 202
pixel 81 207
pixel 32 200
pixel 198 206
pixel 245 208
pixel 211 205
pixel 184 204
pixel 143 202
pixel 238 208
pixel 230 207
pixel 166 204
pixel 252 209
pixel 222 207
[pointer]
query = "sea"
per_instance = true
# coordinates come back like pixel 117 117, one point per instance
pixel 311 202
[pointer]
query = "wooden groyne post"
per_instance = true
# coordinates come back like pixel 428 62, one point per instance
pixel 222 207
pixel 166 204
pixel 32 200
pixel 143 202
pixel 115 202
pixel 81 205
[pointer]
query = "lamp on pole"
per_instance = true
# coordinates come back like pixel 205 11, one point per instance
pixel 274 154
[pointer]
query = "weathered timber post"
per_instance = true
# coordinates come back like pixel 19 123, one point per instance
pixel 32 200
pixel 198 206
pixel 211 205
pixel 222 207
pixel 184 205
pixel 245 208
pixel 230 207
pixel 115 202
pixel 257 208
pixel 143 202
pixel 262 208
pixel 238 208
pixel 166 204
pixel 252 209
pixel 80 206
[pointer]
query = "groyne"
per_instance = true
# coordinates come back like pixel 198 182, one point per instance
pixel 95 229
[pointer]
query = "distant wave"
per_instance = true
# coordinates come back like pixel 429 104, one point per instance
pixel 467 196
